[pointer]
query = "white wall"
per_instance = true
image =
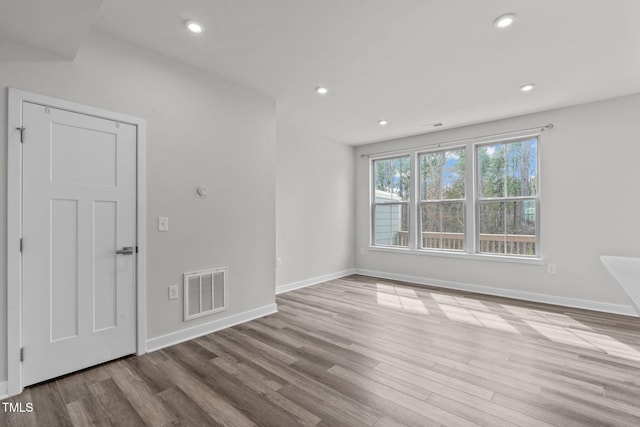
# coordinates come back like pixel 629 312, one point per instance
pixel 201 131
pixel 314 205
pixel 589 205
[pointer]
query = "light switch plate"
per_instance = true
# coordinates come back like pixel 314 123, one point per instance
pixel 163 223
pixel 173 292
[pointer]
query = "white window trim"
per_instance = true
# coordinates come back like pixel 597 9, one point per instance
pixel 478 199
pixel 458 255
pixel 373 203
pixel 471 203
pixel 419 202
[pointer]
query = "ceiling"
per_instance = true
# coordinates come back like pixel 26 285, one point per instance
pixel 44 29
pixel 411 62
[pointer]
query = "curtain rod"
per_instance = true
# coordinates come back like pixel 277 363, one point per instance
pixel 537 128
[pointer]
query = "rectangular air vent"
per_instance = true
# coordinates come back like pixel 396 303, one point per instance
pixel 205 292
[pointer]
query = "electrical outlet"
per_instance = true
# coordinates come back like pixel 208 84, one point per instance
pixel 173 292
pixel 163 223
pixel 278 262
pixel 551 268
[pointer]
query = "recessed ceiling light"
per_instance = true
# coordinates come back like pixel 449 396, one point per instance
pixel 193 26
pixel 504 21
pixel 321 90
pixel 383 122
pixel 527 87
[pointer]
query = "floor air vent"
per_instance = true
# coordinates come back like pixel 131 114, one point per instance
pixel 205 292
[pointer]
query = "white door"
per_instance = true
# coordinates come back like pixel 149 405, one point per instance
pixel 79 210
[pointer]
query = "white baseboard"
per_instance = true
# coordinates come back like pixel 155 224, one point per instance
pixel 521 295
pixel 4 390
pixel 187 334
pixel 313 281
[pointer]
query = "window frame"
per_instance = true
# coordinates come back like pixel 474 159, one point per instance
pixel 373 204
pixel 478 199
pixel 471 202
pixel 420 202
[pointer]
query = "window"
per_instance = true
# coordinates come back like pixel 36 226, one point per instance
pixel 391 196
pixel 487 205
pixel 507 197
pixel 442 199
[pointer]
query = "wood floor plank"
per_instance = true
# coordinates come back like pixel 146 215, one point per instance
pixel 408 387
pixel 598 409
pixel 330 416
pixel 323 393
pixel 243 361
pixel 361 351
pixel 246 375
pixel 119 410
pixel 143 400
pixel 379 398
pixel 82 414
pixel 96 374
pixel 255 405
pixel 49 406
pixel 185 409
pixel 150 373
pixel 72 388
pixel 549 411
pixel 261 381
pixel 18 419
pixel 93 411
pixel 402 399
pixel 78 414
pixel 190 353
pixel 302 415
pixel 220 409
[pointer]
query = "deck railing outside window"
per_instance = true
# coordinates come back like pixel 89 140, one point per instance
pixel 516 244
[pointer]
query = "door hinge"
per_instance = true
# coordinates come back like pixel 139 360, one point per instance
pixel 22 354
pixel 21 245
pixel 21 129
pixel 136 249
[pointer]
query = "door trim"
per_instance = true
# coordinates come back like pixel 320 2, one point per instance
pixel 14 223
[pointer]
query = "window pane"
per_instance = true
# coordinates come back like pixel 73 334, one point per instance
pixel 492 227
pixel 453 217
pixel 430 217
pixel 491 169
pixel 391 225
pixel 442 175
pixel 442 225
pixel 508 227
pixel 391 178
pixel 508 169
pixel 521 168
pixel 520 224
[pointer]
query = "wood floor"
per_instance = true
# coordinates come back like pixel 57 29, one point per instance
pixel 360 351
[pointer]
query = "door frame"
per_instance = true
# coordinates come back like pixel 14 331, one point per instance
pixel 14 222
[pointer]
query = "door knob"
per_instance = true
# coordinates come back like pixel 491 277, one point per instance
pixel 127 250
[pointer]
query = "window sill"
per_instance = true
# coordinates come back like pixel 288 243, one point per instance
pixel 459 255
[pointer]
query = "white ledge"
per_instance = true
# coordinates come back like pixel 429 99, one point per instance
pixel 459 255
pixel 626 271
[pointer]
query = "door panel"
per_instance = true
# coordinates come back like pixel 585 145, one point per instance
pixel 105 286
pixel 64 269
pixel 79 189
pixel 96 149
